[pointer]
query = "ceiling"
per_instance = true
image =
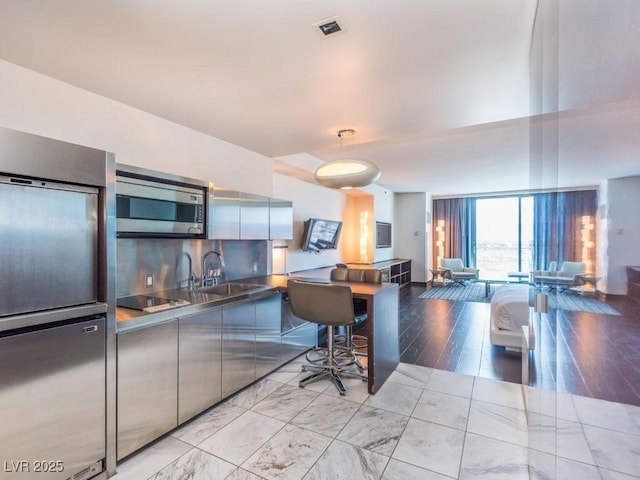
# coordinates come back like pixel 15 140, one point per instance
pixel 437 90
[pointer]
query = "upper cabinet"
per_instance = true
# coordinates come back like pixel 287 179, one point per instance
pixel 254 217
pixel 280 219
pixel 243 216
pixel 224 218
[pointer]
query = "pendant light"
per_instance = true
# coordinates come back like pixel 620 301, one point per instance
pixel 346 173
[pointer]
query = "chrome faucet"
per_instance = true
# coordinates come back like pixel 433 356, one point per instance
pixel 191 280
pixel 212 275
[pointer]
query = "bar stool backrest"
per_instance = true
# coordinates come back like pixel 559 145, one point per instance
pixel 321 303
pixel 356 275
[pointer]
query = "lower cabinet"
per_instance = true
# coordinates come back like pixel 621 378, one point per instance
pixel 298 341
pixel 170 372
pixel 250 342
pixel 147 385
pixel 238 346
pixel 268 326
pixel 199 362
pixel 633 283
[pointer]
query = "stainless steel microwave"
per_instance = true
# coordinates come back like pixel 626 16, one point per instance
pixel 157 207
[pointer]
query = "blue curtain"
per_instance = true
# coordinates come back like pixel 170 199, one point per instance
pixel 557 226
pixel 458 215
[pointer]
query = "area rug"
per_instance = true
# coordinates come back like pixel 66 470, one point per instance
pixel 578 303
pixel 475 292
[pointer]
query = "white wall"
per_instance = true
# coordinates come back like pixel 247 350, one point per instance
pixel 384 211
pixel 38 104
pixel 412 233
pixel 623 240
pixel 309 201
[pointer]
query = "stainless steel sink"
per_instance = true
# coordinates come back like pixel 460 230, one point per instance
pixel 215 293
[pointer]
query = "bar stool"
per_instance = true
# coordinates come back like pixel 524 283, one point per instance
pixel 356 344
pixel 330 305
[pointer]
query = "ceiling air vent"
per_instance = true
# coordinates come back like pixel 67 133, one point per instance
pixel 330 27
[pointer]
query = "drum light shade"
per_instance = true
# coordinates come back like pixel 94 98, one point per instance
pixel 347 174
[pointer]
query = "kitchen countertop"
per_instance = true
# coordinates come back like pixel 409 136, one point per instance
pixel 382 306
pixel 129 319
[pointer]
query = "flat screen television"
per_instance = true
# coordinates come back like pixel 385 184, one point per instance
pixel 383 235
pixel 320 235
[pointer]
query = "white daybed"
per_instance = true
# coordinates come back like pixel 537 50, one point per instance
pixel 510 311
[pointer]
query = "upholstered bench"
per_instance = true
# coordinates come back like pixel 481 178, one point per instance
pixel 510 311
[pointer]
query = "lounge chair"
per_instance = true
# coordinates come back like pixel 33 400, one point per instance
pixel 457 272
pixel 568 276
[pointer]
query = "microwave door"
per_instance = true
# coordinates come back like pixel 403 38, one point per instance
pixel 48 246
pixel 145 215
pixel 158 210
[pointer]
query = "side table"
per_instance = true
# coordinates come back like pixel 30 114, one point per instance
pixel 438 279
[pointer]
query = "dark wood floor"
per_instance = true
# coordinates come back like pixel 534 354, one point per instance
pixel 576 352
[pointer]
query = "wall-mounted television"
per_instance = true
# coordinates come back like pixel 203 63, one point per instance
pixel 383 235
pixel 320 235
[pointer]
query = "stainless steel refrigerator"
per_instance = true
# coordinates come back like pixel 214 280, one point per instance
pixel 52 328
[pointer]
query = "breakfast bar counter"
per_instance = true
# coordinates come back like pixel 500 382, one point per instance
pixel 382 319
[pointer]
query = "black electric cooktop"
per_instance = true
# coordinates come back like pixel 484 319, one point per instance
pixel 140 302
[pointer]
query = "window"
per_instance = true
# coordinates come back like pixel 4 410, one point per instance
pixel 503 236
pixel 517 233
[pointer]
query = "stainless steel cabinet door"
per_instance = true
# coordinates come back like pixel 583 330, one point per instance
pixel 52 400
pixel 254 217
pixel 147 385
pixel 297 341
pixel 199 363
pixel 238 346
pixel 268 334
pixel 48 247
pixel 225 223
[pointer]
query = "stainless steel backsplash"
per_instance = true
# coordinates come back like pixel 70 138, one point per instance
pixel 165 259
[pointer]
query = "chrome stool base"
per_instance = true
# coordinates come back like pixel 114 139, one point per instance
pixel 332 362
pixel 317 357
pixel 354 345
pixel 334 375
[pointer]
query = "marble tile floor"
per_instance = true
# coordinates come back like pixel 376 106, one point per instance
pixel 423 424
